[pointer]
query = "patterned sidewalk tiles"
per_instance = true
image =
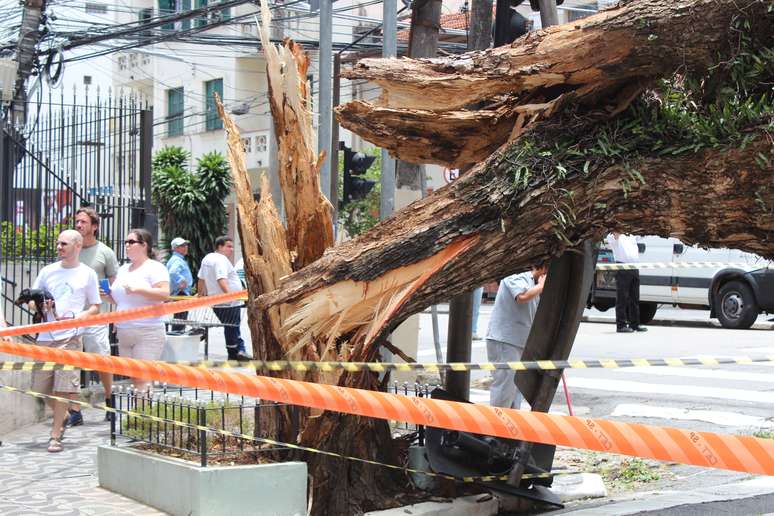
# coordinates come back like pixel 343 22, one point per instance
pixel 35 482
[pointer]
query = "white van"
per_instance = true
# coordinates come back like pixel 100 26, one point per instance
pixel 735 286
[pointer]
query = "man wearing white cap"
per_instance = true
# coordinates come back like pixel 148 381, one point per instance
pixel 180 277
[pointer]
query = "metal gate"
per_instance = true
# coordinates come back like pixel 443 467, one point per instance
pixel 68 155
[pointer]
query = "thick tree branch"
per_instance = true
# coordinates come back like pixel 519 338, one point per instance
pixel 600 60
pixel 720 198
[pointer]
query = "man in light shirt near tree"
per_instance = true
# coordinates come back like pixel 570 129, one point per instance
pixel 75 293
pixel 512 316
pixel 627 290
pixel 217 275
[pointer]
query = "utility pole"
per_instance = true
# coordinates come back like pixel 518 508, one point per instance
pixel 325 109
pixel 549 15
pixel 334 155
pixel 389 49
pixel 29 36
pixel 460 329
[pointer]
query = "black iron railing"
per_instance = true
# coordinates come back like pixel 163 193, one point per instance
pixel 235 414
pixel 67 156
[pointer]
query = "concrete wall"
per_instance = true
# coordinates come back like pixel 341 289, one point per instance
pixel 18 409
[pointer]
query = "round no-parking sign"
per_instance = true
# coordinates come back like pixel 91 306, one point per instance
pixel 450 174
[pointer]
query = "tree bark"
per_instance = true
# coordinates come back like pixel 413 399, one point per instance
pixel 718 198
pixel 604 60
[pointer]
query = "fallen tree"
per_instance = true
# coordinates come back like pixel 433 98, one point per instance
pixel 653 118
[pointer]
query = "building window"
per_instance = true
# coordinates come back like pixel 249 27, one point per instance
pixel 261 143
pixel 185 6
pixel 167 8
pixel 145 16
pixel 225 14
pixel 175 109
pixel 87 80
pixel 201 21
pixel 95 8
pixel 213 121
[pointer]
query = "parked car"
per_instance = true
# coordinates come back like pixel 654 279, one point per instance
pixel 735 293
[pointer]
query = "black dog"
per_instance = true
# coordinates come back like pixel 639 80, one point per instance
pixel 40 296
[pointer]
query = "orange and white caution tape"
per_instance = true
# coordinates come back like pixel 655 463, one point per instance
pixel 707 449
pixel 125 315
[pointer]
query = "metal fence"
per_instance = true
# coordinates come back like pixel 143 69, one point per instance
pixel 67 156
pixel 236 414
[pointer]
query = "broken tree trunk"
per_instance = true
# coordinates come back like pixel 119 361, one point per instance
pixel 271 253
pixel 603 61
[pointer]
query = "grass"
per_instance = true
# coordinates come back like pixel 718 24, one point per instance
pixel 764 434
pixel 631 471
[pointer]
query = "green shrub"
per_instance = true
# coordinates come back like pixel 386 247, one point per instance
pixel 39 243
pixel 191 204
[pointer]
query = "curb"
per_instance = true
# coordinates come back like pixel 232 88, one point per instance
pixel 686 323
pixel 758 492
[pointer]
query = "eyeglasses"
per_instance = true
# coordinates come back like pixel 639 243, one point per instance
pixel 132 242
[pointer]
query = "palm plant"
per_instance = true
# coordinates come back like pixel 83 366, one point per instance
pixel 191 204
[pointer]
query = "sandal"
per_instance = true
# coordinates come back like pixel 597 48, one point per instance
pixel 54 445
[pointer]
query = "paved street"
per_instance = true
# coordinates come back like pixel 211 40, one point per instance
pixel 727 398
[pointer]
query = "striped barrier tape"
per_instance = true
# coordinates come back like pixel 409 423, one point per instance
pixel 237 435
pixel 131 314
pixel 706 449
pixel 379 367
pixel 681 265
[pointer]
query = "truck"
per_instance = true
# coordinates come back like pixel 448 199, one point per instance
pixel 735 286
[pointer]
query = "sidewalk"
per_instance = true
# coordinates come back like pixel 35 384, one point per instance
pixel 33 481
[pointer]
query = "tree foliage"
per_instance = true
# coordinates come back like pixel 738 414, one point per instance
pixel 191 203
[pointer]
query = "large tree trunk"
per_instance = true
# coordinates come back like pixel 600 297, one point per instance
pixel 498 218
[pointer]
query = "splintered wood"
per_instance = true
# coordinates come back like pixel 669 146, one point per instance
pixel 308 212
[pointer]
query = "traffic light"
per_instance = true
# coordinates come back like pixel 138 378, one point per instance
pixel 355 164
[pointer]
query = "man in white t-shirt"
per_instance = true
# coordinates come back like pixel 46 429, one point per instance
pixel 218 276
pixel 75 290
pixel 509 326
pixel 627 290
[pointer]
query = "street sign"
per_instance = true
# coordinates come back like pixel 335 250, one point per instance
pixel 450 174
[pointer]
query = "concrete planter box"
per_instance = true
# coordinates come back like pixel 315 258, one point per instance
pixel 182 488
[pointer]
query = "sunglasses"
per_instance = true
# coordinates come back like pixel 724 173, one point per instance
pixel 132 242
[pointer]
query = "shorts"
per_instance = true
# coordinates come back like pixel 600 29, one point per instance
pixel 96 340
pixel 145 343
pixel 48 382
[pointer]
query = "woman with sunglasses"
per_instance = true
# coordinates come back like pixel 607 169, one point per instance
pixel 141 282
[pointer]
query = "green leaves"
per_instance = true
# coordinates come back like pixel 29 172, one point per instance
pixel 191 204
